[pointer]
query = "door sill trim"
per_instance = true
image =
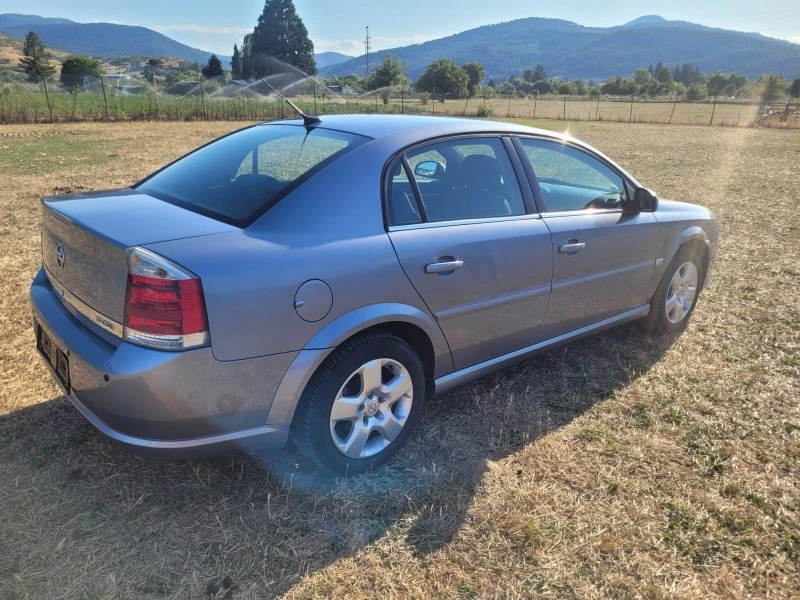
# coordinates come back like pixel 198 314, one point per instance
pixel 463 376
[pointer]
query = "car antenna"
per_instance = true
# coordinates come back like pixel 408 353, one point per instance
pixel 308 121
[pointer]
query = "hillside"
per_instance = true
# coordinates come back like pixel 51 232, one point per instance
pixel 326 59
pixel 108 40
pixel 11 52
pixel 14 20
pixel 570 50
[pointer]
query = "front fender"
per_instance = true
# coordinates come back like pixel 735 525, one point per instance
pixel 669 248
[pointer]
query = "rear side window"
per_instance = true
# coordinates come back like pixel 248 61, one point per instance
pixel 570 179
pixel 237 178
pixel 457 179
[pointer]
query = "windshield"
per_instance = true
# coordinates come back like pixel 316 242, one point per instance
pixel 237 178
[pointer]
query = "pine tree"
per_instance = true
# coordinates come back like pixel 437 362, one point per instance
pixel 236 63
pixel 281 34
pixel 35 59
pixel 36 63
pixel 247 56
pixel 213 68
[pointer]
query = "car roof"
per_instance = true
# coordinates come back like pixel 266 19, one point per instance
pixel 410 129
pixel 428 126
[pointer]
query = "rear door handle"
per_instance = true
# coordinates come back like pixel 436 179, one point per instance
pixel 571 247
pixel 444 267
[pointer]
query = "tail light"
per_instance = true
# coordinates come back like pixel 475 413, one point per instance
pixel 164 306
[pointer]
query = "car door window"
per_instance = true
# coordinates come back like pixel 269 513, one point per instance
pixel 403 208
pixel 465 179
pixel 570 179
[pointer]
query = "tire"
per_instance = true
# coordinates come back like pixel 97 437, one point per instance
pixel 675 298
pixel 361 405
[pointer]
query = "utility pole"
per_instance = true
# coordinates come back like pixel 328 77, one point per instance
pixel 367 49
pixel 105 100
pixel 713 110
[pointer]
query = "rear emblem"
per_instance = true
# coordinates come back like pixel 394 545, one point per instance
pixel 61 256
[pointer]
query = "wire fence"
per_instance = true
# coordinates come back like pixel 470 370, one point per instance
pixel 108 100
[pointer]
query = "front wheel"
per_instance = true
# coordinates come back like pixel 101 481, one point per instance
pixel 361 404
pixel 677 293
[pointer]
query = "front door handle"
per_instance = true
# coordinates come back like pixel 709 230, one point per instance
pixel 444 267
pixel 572 247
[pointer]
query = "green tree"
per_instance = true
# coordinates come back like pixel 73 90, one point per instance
pixel 566 88
pixel 214 68
pixel 76 70
pixel 36 63
pixel 247 56
pixel 795 91
pixel 151 69
pixel 443 76
pixel 236 63
pixel 664 75
pixel 543 86
pixel 35 60
pixel 696 92
pixel 475 72
pixel 389 73
pixel 534 75
pixel 771 87
pixel 642 77
pixel 580 87
pixel 717 82
pixel 280 33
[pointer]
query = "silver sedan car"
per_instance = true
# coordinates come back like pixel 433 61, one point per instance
pixel 320 279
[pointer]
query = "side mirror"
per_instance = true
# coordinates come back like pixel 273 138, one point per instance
pixel 430 169
pixel 645 200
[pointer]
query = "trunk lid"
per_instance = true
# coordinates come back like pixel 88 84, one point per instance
pixel 85 238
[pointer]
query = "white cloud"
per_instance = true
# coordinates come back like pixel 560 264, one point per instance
pixel 356 47
pixel 205 30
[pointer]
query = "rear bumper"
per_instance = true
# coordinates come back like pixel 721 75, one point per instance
pixel 176 404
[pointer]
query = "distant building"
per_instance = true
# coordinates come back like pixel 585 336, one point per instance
pixel 342 90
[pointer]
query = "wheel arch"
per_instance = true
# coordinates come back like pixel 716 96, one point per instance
pixel 696 238
pixel 414 326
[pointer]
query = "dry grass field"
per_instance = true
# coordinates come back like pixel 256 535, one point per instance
pixel 617 467
pixel 734 114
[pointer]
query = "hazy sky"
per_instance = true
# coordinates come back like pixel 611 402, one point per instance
pixel 339 24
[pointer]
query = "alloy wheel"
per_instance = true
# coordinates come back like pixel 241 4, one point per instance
pixel 371 408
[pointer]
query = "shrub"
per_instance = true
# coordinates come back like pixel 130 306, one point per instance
pixel 484 111
pixel 697 92
pixel 424 98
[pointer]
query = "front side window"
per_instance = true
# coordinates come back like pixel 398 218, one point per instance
pixel 570 179
pixel 238 177
pixel 457 179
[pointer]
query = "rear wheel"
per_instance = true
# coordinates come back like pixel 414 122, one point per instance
pixel 361 404
pixel 677 293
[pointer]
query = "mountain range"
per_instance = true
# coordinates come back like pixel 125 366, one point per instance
pixel 573 51
pixel 102 40
pixel 326 59
pixel 566 49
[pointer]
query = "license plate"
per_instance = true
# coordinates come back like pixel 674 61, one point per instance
pixel 55 357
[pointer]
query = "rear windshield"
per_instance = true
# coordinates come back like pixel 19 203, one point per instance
pixel 237 178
